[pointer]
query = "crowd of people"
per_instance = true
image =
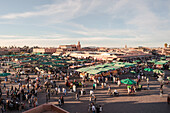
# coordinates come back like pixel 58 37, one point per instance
pixel 25 95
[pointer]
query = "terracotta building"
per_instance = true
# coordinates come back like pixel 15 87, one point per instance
pixel 70 47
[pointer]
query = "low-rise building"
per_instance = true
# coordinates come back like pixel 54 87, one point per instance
pixel 166 50
pixel 14 50
pixel 44 50
pixel 89 49
pixel 70 47
pixel 4 52
pixel 95 55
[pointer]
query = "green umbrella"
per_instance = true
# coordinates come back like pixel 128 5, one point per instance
pixel 128 81
pixel 148 69
pixel 133 72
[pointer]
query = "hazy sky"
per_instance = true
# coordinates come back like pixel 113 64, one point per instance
pixel 109 23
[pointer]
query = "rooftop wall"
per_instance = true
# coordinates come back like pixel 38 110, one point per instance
pixel 50 108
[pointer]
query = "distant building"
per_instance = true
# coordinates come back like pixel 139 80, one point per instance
pixel 70 47
pixel 166 49
pixel 102 49
pixel 4 51
pixel 93 54
pixel 58 52
pixel 165 45
pixel 14 50
pixel 135 55
pixel 44 50
pixel 125 46
pixel 78 46
pixel 88 49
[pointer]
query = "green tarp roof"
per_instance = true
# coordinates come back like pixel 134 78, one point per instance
pixel 4 74
pixel 115 67
pixel 128 64
pixel 81 60
pixel 137 61
pixel 25 61
pixel 61 61
pixel 71 61
pixel 103 69
pixel 59 65
pixel 92 67
pixel 111 64
pixel 46 63
pixel 93 72
pixel 163 58
pixel 152 61
pixel 162 62
pixel 83 69
pixel 110 68
pixel 99 66
pixel 18 66
pixel 123 64
pixel 40 54
pixel 34 59
pixel 10 55
pixel 119 65
pixel 119 62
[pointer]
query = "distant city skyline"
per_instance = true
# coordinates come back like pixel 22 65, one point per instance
pixel 100 23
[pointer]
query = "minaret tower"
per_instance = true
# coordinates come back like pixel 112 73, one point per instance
pixel 78 46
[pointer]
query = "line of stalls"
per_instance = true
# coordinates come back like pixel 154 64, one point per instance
pixel 103 70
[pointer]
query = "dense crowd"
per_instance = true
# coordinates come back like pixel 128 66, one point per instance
pixel 25 94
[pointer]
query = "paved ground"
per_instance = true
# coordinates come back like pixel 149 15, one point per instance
pixel 145 101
